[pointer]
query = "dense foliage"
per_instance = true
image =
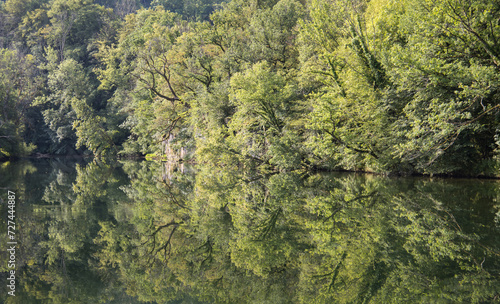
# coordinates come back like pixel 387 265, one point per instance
pixel 386 86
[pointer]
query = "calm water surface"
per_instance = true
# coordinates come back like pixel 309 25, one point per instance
pixel 144 232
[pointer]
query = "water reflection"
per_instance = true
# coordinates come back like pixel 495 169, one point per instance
pixel 144 232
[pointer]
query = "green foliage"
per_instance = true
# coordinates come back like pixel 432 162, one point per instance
pixel 262 102
pixel 348 111
pixel 67 81
pixel 446 68
pixel 194 10
pixel 272 34
pixel 90 130
pixel 385 86
pixel 19 84
pixel 153 102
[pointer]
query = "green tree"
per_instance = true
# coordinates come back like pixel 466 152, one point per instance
pixel 342 68
pixel 444 62
pixel 193 10
pixel 13 12
pixel 19 86
pixel 264 104
pixel 153 102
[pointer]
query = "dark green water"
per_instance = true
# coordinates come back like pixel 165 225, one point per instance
pixel 143 232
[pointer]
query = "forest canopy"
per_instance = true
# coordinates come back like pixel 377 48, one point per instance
pixel 409 86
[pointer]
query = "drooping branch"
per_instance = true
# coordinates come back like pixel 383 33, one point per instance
pixel 172 196
pixel 270 225
pixel 164 73
pixel 338 140
pixel 334 274
pixel 166 247
pixel 465 22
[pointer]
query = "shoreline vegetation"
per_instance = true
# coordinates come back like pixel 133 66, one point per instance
pixel 175 164
pixel 408 87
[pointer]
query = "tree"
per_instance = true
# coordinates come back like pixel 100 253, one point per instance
pixel 264 109
pixel 19 87
pixel 445 66
pixel 348 113
pixel 193 10
pixel 142 59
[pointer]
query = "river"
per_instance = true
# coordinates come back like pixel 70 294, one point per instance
pixel 93 231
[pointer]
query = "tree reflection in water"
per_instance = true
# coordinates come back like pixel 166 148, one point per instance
pixel 134 232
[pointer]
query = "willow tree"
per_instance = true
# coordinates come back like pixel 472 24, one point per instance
pixel 19 87
pixel 443 61
pixel 348 115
